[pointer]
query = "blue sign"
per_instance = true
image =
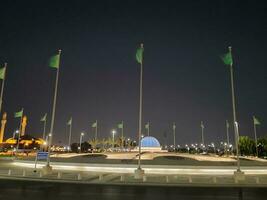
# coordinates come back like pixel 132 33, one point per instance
pixel 42 155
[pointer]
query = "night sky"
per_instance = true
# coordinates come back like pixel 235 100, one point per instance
pixel 185 80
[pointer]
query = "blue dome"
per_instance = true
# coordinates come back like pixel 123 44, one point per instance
pixel 150 142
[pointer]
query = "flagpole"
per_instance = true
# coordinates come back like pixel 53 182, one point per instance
pixel 2 88
pixel 19 132
pixel 70 135
pixel 122 134
pixel 44 129
pixel 255 134
pixel 53 112
pixel 174 129
pixel 234 113
pixel 122 129
pixel 202 133
pixel 227 133
pixel 148 130
pixel 96 130
pixel 140 112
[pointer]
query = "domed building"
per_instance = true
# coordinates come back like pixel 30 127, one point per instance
pixel 150 144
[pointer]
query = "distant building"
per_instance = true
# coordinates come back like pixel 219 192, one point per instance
pixel 149 144
pixel 26 142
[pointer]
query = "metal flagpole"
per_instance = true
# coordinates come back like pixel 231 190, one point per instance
pixel 174 140
pixel 122 129
pixel 255 134
pixel 44 129
pixel 19 132
pixel 202 132
pixel 227 133
pixel 70 134
pixel 234 113
pixel 2 88
pixel 122 138
pixel 53 112
pixel 96 130
pixel 44 133
pixel 148 128
pixel 140 112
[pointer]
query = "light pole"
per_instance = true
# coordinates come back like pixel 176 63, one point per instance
pixel 81 137
pixel 113 134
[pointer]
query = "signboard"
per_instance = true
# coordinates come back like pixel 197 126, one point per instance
pixel 42 155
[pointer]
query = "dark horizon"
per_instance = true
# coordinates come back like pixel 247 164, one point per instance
pixel 185 81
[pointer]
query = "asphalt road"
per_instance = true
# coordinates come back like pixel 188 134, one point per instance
pixel 28 190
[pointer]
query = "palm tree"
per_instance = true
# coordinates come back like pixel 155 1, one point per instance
pixel 104 142
pixel 93 143
pixel 110 141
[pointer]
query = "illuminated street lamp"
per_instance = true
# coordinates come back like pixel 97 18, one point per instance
pixel 113 134
pixel 81 137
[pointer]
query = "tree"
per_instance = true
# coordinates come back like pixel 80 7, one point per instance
pixel 104 143
pixel 262 147
pixel 93 143
pixel 85 146
pixel 74 147
pixel 246 145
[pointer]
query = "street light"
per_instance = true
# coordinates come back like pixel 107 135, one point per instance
pixel 81 137
pixel 113 133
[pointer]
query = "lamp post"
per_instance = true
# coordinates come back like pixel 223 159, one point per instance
pixel 113 134
pixel 81 137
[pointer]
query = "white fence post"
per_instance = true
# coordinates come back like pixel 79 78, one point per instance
pixel 167 179
pixel 59 175
pixel 24 172
pixel 214 179
pixel 190 179
pixel 144 178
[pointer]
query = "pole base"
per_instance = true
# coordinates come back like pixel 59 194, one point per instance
pixel 139 173
pixel 47 169
pixel 239 175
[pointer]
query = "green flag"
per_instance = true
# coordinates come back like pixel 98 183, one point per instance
pixel 94 125
pixel 54 61
pixel 227 124
pixel 43 118
pixel 202 125
pixel 2 73
pixel 139 54
pixel 70 121
pixel 147 126
pixel 256 121
pixel 18 114
pixel 227 58
pixel 120 125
